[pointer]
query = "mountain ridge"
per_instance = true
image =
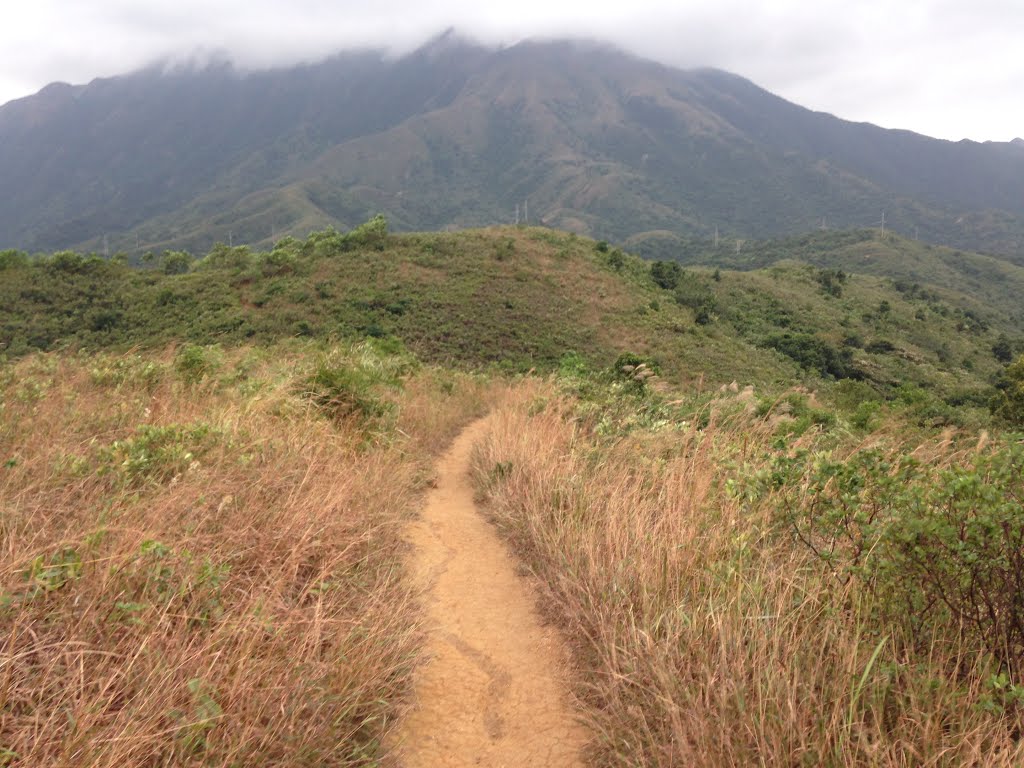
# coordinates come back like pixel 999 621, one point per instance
pixel 592 139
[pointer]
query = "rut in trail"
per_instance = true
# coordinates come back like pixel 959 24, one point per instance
pixel 492 691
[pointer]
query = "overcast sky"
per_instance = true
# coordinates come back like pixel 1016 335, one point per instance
pixel 946 68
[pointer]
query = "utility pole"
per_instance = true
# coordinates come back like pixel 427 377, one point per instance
pixel 106 246
pixel 716 237
pixel 231 239
pixel 526 211
pixel 883 222
pixel 517 214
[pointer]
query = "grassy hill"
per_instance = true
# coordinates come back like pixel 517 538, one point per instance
pixel 522 298
pixel 204 561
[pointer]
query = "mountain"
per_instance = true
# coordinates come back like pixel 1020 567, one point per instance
pixel 586 137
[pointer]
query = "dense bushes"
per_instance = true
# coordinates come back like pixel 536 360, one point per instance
pixel 1007 404
pixel 814 354
pixel 940 550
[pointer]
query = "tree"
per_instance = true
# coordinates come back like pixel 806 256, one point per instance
pixel 175 262
pixel 1003 348
pixel 666 274
pixel 1007 405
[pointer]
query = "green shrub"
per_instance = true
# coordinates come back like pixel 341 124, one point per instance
pixel 814 354
pixel 234 258
pixel 13 259
pixel 155 453
pixel 940 551
pixel 372 233
pixel 1007 405
pixel 175 262
pixel 345 383
pixel 666 274
pixel 194 363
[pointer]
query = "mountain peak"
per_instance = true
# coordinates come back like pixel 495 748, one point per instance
pixel 458 133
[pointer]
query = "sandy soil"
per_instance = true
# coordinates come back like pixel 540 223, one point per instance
pixel 493 691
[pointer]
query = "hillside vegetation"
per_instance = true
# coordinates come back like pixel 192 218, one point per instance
pixel 743 594
pixel 201 562
pixel 775 506
pixel 521 298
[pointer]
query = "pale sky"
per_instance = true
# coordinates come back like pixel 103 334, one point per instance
pixel 946 68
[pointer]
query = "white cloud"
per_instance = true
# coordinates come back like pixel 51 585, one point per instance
pixel 942 67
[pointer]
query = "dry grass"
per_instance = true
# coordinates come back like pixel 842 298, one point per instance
pixel 225 588
pixel 703 640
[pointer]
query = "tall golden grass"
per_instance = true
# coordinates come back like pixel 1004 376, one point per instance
pixel 702 640
pixel 225 588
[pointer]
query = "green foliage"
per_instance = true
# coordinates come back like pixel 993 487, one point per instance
pixel 45 574
pixel 814 354
pixel 1002 349
pixel 199 721
pixel 126 370
pixel 348 383
pixel 698 296
pixel 175 262
pixel 939 549
pixel 66 261
pixel 666 274
pixel 155 453
pixel 224 257
pixel 195 363
pixel 1007 405
pixel 372 234
pixel 13 259
pixel 831 281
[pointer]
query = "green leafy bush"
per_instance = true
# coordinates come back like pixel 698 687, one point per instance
pixel 940 550
pixel 1007 405
pixel 666 274
pixel 13 259
pixel 155 453
pixel 815 354
pixel 194 363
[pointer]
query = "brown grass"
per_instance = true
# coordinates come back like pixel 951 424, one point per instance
pixel 703 641
pixel 230 592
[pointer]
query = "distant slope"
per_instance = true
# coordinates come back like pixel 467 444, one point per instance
pixel 516 298
pixel 591 139
pixel 986 285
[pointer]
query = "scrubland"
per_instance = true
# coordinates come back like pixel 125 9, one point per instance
pixel 743 589
pixel 201 556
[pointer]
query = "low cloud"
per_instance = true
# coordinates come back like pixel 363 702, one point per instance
pixel 940 67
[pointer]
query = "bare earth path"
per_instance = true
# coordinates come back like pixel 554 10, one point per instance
pixel 492 692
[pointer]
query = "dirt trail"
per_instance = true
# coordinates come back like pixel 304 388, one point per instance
pixel 493 691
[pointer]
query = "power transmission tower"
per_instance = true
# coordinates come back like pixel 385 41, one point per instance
pixel 517 214
pixel 526 211
pixel 716 237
